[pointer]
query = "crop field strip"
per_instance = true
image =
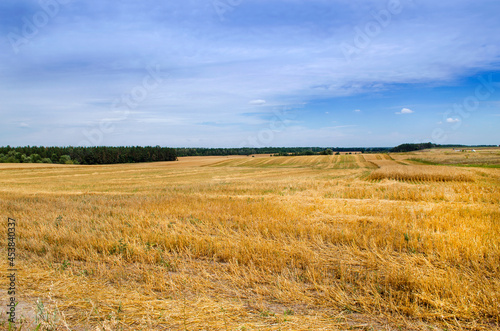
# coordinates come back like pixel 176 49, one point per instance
pixel 269 243
pixel 320 162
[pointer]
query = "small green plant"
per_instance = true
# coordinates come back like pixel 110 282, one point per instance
pixel 150 245
pixel 119 248
pixel 407 237
pixel 65 265
pixel 43 319
pixel 266 313
pixel 83 273
pixel 59 220
pixel 168 265
pixel 11 325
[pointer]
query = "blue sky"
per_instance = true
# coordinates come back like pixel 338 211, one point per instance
pixel 233 73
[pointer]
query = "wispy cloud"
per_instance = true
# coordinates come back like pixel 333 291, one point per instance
pixel 405 111
pixel 343 126
pixel 452 120
pixel 264 55
pixel 258 102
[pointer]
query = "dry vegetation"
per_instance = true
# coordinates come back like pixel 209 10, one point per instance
pixel 462 157
pixel 256 243
pixel 389 169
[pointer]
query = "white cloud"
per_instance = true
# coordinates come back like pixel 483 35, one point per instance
pixel 258 102
pixel 213 71
pixel 24 125
pixel 405 111
pixel 452 120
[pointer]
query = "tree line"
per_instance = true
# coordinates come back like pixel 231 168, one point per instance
pixel 412 147
pixel 273 150
pixel 86 155
pixel 134 154
pixel 420 146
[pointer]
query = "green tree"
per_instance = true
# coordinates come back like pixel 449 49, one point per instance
pixel 65 159
pixel 35 158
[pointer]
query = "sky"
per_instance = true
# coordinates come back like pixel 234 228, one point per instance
pixel 249 73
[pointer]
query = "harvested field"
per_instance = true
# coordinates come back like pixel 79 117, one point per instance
pixel 342 242
pixel 407 172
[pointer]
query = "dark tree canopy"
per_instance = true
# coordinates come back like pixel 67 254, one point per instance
pixel 86 155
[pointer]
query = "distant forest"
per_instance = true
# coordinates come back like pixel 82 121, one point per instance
pixel 274 150
pixel 412 147
pixel 86 155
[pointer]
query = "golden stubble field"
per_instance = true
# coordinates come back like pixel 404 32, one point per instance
pixel 363 242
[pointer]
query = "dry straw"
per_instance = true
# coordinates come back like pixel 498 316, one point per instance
pixel 264 243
